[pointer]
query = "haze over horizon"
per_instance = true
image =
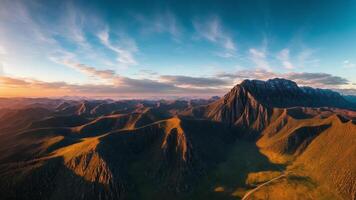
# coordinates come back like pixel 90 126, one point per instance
pixel 177 48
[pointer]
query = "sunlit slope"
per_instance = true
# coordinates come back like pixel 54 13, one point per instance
pixel 171 153
pixel 317 147
pixel 330 158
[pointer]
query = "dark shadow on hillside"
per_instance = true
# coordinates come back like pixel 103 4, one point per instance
pixel 53 181
pixel 229 176
pixel 299 113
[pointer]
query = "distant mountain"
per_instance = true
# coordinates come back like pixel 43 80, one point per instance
pixel 261 138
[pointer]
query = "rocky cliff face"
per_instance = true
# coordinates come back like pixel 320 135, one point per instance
pixel 284 93
pixel 254 103
pixel 239 107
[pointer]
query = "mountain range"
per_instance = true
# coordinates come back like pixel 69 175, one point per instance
pixel 262 140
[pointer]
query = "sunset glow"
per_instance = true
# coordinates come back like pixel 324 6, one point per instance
pixel 63 48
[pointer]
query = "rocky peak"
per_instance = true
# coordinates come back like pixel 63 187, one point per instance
pixel 271 84
pixel 279 92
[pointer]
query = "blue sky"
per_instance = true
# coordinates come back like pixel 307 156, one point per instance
pixel 173 48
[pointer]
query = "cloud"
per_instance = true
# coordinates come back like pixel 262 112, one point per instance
pixel 259 57
pixel 348 64
pixel 226 54
pixel 166 85
pixel 305 58
pixel 187 81
pixel 165 81
pixel 213 31
pixel 283 56
pixel 91 71
pixel 30 84
pixel 146 73
pixel 163 22
pixel 2 50
pixel 72 25
pixel 23 21
pixel 260 74
pixel 125 52
pixel 317 79
pixel 12 81
pixel 321 80
pixel 145 85
pixel 128 87
pixel 69 29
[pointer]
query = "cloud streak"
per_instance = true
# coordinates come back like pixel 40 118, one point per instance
pixel 283 56
pixel 91 71
pixel 348 64
pixel 322 80
pixel 164 22
pixel 188 81
pixel 259 58
pixel 213 31
pixel 125 53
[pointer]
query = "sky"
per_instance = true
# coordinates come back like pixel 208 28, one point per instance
pixel 144 49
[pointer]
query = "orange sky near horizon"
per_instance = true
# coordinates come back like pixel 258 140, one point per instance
pixel 30 92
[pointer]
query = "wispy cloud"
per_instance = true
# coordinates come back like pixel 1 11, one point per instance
pixel 125 51
pixel 239 75
pixel 317 79
pixel 72 25
pixel 306 58
pixel 147 73
pixel 212 30
pixel 178 81
pixel 24 21
pixel 70 32
pixel 259 58
pixel 91 71
pixel 163 22
pixel 2 50
pixel 283 57
pixel 188 81
pixel 12 81
pixel 348 64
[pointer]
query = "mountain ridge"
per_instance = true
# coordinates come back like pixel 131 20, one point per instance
pixel 216 149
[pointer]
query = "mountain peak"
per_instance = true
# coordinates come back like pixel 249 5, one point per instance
pixel 270 83
pixel 283 93
pixel 282 81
